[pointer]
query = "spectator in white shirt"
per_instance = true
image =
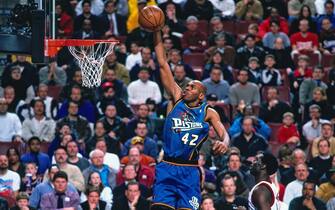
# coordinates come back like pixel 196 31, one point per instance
pixel 294 188
pixel 142 89
pixel 312 129
pixel 39 125
pixel 224 8
pixel 110 159
pixel 134 57
pixel 97 7
pixel 10 124
pixel 9 181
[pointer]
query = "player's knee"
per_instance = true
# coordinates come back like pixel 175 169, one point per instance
pixel 160 207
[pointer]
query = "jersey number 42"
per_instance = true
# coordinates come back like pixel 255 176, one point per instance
pixel 191 141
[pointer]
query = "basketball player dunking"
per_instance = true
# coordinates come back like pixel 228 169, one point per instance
pixel 177 184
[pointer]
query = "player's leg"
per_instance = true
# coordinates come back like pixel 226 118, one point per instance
pixel 189 190
pixel 164 191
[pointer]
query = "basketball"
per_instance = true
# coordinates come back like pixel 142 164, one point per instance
pixel 151 18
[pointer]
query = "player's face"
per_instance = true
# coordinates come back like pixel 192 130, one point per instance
pixel 192 92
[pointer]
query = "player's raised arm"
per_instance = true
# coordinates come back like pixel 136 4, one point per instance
pixel 169 84
pixel 213 118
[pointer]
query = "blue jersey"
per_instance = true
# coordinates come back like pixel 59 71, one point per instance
pixel 185 130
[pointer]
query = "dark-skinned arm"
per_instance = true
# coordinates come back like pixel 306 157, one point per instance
pixel 221 146
pixel 169 84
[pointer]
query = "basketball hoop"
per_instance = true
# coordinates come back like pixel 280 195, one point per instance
pixel 91 55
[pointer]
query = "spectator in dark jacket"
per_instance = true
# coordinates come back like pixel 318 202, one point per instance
pixel 273 109
pixel 193 39
pixel 86 108
pixel 249 142
pixel 202 9
pixel 249 50
pixel 111 23
pixel 79 125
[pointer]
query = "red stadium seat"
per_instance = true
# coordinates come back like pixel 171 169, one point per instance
pixel 203 26
pixel 229 26
pixel 54 91
pixel 45 146
pixel 274 131
pixel 241 27
pixel 328 60
pixel 198 70
pixel 195 59
pixel 226 108
pixel 4 146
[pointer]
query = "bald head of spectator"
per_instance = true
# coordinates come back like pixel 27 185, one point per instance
pixel 301 172
pixel 134 156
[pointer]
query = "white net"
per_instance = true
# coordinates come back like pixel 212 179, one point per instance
pixel 91 60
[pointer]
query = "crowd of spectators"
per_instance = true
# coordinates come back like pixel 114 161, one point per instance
pixel 68 146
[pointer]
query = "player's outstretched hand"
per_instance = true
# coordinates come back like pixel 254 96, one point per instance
pixel 219 147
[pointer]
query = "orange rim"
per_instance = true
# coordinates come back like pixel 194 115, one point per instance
pixel 52 46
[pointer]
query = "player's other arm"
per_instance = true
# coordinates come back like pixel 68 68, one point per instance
pixel 214 119
pixel 166 75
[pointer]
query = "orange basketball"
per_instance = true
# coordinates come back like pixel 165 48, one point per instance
pixel 151 18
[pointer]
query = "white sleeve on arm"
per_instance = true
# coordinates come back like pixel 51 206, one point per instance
pixel 16 182
pixel 17 125
pixel 157 94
